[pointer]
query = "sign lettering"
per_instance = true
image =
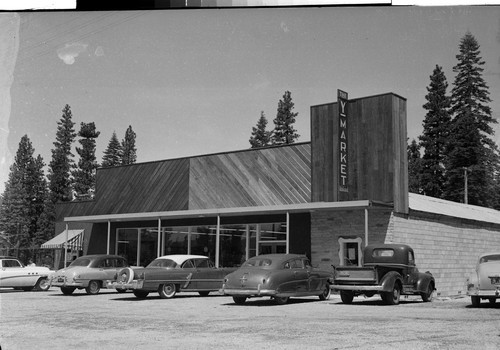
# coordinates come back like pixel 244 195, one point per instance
pixel 342 101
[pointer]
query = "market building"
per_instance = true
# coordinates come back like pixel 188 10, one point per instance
pixel 326 198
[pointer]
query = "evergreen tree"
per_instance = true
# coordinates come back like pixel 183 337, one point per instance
pixel 62 159
pixel 284 132
pixel 128 147
pixel 414 167
pixel 22 202
pixel 38 199
pixel 436 131
pixel 470 148
pixel 260 137
pixel 84 173
pixel 112 154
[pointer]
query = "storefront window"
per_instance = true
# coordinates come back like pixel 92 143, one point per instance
pixel 236 242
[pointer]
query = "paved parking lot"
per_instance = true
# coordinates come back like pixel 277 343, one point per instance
pixel 51 320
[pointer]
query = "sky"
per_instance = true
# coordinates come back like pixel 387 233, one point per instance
pixel 194 82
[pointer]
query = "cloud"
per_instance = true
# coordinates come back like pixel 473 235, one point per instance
pixel 70 51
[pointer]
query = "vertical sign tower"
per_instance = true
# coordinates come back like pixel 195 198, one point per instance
pixel 342 101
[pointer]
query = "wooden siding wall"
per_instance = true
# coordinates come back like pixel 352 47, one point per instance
pixel 377 161
pixel 269 176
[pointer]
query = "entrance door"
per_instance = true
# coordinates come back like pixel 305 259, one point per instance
pixel 272 248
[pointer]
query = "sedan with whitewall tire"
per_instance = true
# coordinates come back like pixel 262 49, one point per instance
pixel 171 274
pixel 484 282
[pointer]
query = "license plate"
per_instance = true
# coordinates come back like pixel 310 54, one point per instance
pixel 60 279
pixel 495 280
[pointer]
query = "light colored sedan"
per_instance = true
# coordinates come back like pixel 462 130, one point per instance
pixel 13 274
pixel 88 272
pixel 484 283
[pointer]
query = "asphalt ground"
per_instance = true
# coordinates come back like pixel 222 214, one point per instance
pixel 50 320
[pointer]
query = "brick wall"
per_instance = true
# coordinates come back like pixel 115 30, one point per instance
pixel 447 247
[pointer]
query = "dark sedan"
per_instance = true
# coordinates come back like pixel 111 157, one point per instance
pixel 279 276
pixel 171 274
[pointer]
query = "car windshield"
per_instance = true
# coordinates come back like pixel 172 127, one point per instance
pixel 488 258
pixel 80 262
pixel 162 263
pixel 258 262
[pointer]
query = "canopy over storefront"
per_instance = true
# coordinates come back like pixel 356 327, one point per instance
pixel 74 239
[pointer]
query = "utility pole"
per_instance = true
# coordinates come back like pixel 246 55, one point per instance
pixel 465 185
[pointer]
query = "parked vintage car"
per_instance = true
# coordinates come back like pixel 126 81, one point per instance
pixel 171 274
pixel 13 274
pixel 89 272
pixel 484 283
pixel 279 276
pixel 388 270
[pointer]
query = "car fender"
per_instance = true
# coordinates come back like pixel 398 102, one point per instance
pixel 387 282
pixel 424 279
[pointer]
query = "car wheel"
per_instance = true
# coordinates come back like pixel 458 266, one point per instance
pixel 427 296
pixel 93 288
pixel 346 296
pixel 141 294
pixel 281 300
pixel 42 284
pixel 492 300
pixel 166 290
pixel 204 293
pixel 67 290
pixel 326 293
pixel 239 300
pixel 475 300
pixel 392 298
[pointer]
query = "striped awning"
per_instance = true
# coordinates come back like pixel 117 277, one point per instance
pixel 75 240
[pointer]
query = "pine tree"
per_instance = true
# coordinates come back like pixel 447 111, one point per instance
pixel 284 132
pixel 84 173
pixel 414 167
pixel 436 131
pixel 470 148
pixel 22 202
pixel 62 159
pixel 112 154
pixel 128 147
pixel 260 137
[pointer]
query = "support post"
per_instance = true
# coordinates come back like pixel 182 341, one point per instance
pixel 287 232
pixel 66 245
pixel 159 238
pixel 217 242
pixel 366 227
pixel 109 237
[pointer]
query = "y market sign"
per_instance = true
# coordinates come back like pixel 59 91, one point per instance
pixel 342 101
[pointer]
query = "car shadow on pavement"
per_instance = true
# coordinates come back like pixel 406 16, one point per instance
pixel 155 296
pixel 271 302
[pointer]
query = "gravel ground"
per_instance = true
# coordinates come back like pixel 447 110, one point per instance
pixel 51 320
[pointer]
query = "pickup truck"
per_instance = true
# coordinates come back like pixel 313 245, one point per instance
pixel 388 270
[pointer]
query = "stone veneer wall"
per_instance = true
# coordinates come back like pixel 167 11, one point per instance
pixel 447 247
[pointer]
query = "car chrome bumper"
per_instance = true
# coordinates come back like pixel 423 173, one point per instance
pixel 132 285
pixel 248 292
pixel 356 288
pixel 485 293
pixel 74 284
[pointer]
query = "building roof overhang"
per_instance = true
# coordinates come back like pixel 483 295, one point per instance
pixel 238 211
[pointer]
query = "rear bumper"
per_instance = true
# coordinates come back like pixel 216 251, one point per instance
pixel 495 293
pixel 248 292
pixel 135 284
pixel 336 287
